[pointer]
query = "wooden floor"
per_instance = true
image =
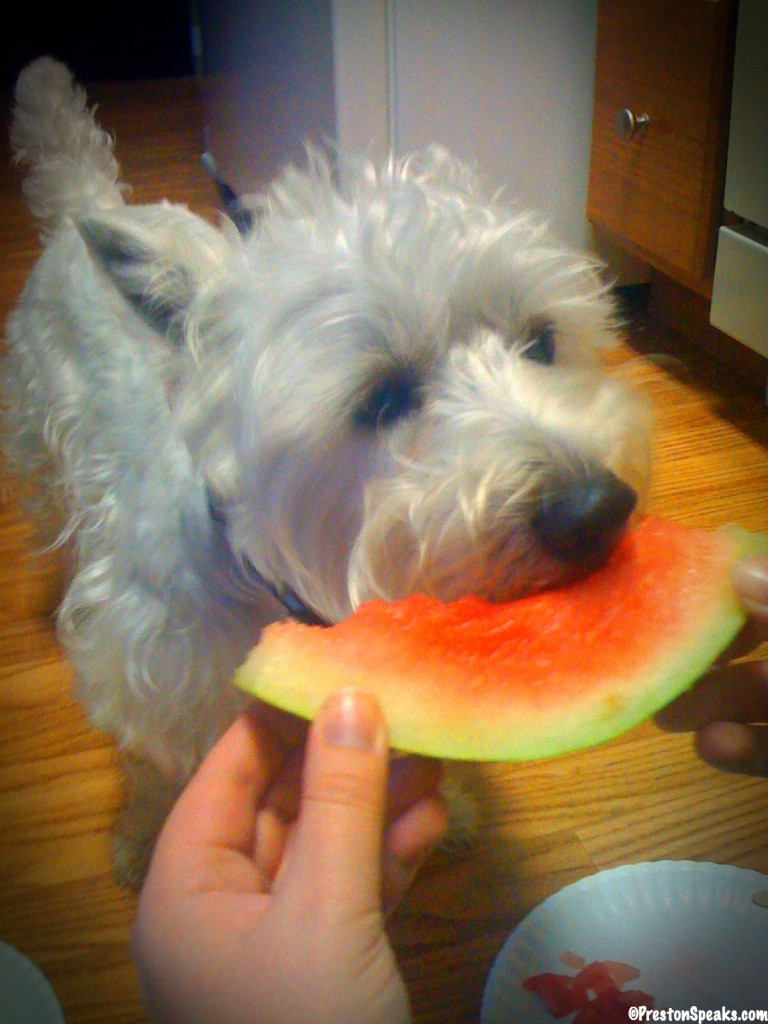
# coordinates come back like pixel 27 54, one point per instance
pixel 642 797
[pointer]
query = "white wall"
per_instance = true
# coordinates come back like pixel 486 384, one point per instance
pixel 507 83
pixel 268 84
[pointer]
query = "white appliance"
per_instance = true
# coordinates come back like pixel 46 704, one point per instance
pixel 740 295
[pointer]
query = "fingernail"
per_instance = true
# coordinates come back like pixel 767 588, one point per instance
pixel 353 720
pixel 751 580
pixel 728 746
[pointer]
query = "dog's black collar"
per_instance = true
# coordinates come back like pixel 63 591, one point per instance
pixel 294 606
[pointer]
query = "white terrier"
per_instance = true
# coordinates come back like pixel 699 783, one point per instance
pixel 366 392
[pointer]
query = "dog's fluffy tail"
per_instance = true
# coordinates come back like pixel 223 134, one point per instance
pixel 71 167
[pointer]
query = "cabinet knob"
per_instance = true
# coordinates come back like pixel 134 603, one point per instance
pixel 628 124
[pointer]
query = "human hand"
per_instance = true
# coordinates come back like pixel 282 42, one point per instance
pixel 728 707
pixel 264 899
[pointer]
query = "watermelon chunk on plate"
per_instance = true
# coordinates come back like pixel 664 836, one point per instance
pixel 535 678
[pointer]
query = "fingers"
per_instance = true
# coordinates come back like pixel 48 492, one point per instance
pixel 411 779
pixel 418 820
pixel 750 578
pixel 725 705
pixel 733 747
pixel 738 694
pixel 247 794
pixel 408 842
pixel 216 813
pixel 336 846
pixel 289 730
pixel 270 841
pixel 222 799
pixel 730 693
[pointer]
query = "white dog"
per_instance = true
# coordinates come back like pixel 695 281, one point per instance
pixel 363 393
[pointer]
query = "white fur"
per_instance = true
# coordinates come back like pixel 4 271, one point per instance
pixel 206 366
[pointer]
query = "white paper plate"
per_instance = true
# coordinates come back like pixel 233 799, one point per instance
pixel 25 995
pixel 691 929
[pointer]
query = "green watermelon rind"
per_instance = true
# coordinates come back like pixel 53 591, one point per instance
pixel 279 678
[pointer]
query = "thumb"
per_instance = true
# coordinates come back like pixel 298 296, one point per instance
pixel 336 854
pixel 751 581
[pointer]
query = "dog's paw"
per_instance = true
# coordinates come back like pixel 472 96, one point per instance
pixel 130 862
pixel 151 797
pixel 463 816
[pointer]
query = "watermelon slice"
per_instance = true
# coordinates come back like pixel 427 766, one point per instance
pixel 544 675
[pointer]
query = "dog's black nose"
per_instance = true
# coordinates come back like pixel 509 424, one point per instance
pixel 583 520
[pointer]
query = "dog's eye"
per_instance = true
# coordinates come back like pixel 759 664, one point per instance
pixel 389 400
pixel 541 346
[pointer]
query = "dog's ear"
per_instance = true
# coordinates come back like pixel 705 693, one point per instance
pixel 157 271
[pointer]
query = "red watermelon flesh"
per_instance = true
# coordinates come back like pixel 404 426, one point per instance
pixel 541 676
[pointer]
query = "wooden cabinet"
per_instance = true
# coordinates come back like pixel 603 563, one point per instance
pixel 658 189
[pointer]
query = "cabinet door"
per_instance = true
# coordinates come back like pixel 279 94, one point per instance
pixel 660 190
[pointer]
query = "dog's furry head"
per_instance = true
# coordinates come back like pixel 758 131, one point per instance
pixel 379 388
pixel 383 389
pixel 387 387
